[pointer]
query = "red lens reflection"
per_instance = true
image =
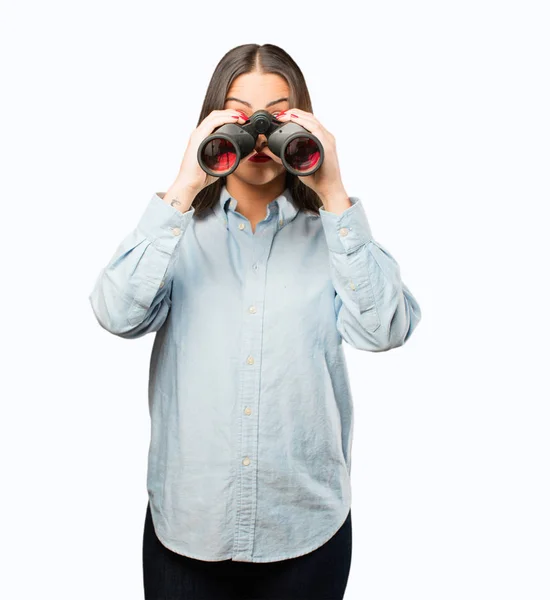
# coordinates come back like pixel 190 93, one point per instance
pixel 219 155
pixel 302 154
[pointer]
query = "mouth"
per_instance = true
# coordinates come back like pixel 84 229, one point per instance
pixel 259 157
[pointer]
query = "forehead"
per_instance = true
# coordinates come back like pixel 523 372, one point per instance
pixel 259 88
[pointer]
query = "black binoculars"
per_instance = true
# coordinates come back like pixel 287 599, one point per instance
pixel 220 153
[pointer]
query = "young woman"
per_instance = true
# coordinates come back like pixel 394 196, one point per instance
pixel 251 282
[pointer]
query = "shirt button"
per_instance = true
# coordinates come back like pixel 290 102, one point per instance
pixel 344 231
pixel 352 285
pixel 250 360
pixel 241 226
pixel 255 266
pixel 162 283
pixel 280 221
pixel 246 461
pixel 176 230
pixel 252 309
pixel 247 410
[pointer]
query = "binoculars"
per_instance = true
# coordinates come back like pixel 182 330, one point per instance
pixel 300 151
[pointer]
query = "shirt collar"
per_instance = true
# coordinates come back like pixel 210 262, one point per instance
pixel 283 204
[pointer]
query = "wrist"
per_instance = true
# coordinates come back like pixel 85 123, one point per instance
pixel 335 200
pixel 180 196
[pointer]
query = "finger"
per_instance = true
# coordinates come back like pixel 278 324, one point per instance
pixel 306 120
pixel 220 117
pixel 298 111
pixel 301 116
pixel 224 115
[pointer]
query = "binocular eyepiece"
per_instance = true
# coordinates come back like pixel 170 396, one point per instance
pixel 220 153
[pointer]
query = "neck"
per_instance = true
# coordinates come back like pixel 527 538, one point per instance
pixel 252 199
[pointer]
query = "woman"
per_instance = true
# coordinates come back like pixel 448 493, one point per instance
pixel 251 282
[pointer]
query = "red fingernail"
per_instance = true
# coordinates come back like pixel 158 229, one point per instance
pixel 293 115
pixel 281 113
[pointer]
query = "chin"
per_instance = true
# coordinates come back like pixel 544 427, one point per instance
pixel 258 174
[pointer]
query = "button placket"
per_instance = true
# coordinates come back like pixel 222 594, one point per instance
pixel 249 390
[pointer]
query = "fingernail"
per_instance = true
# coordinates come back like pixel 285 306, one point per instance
pixel 293 115
pixel 281 114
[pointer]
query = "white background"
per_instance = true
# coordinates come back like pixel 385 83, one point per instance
pixel 441 115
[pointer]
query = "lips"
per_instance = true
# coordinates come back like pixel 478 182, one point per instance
pixel 259 157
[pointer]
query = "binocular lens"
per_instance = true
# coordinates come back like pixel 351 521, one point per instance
pixel 219 154
pixel 302 154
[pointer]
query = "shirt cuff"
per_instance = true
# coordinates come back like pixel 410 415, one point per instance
pixel 347 231
pixel 163 224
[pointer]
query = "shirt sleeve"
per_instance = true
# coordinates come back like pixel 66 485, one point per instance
pixel 132 293
pixel 375 310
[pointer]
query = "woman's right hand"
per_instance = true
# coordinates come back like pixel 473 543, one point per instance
pixel 191 177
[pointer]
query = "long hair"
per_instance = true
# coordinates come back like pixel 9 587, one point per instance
pixel 247 58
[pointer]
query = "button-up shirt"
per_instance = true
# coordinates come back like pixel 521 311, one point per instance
pixel 249 397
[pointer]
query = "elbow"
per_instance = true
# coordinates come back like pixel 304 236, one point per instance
pixel 403 322
pixel 133 323
pixel 109 305
pixel 110 319
pixel 369 338
pixel 380 331
pixel 380 340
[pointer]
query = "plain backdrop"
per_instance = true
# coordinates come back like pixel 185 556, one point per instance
pixel 440 112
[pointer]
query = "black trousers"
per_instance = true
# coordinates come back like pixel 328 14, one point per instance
pixel 318 575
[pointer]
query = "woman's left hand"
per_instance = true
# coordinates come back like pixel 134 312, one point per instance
pixel 326 182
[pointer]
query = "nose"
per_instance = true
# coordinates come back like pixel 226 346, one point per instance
pixel 261 143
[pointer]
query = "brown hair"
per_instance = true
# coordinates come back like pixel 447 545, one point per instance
pixel 247 58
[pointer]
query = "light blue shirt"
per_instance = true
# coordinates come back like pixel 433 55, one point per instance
pixel 249 398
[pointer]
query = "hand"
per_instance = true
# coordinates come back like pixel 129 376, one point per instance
pixel 326 182
pixel 191 177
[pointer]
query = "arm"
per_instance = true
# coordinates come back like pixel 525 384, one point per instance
pixel 375 310
pixel 132 294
